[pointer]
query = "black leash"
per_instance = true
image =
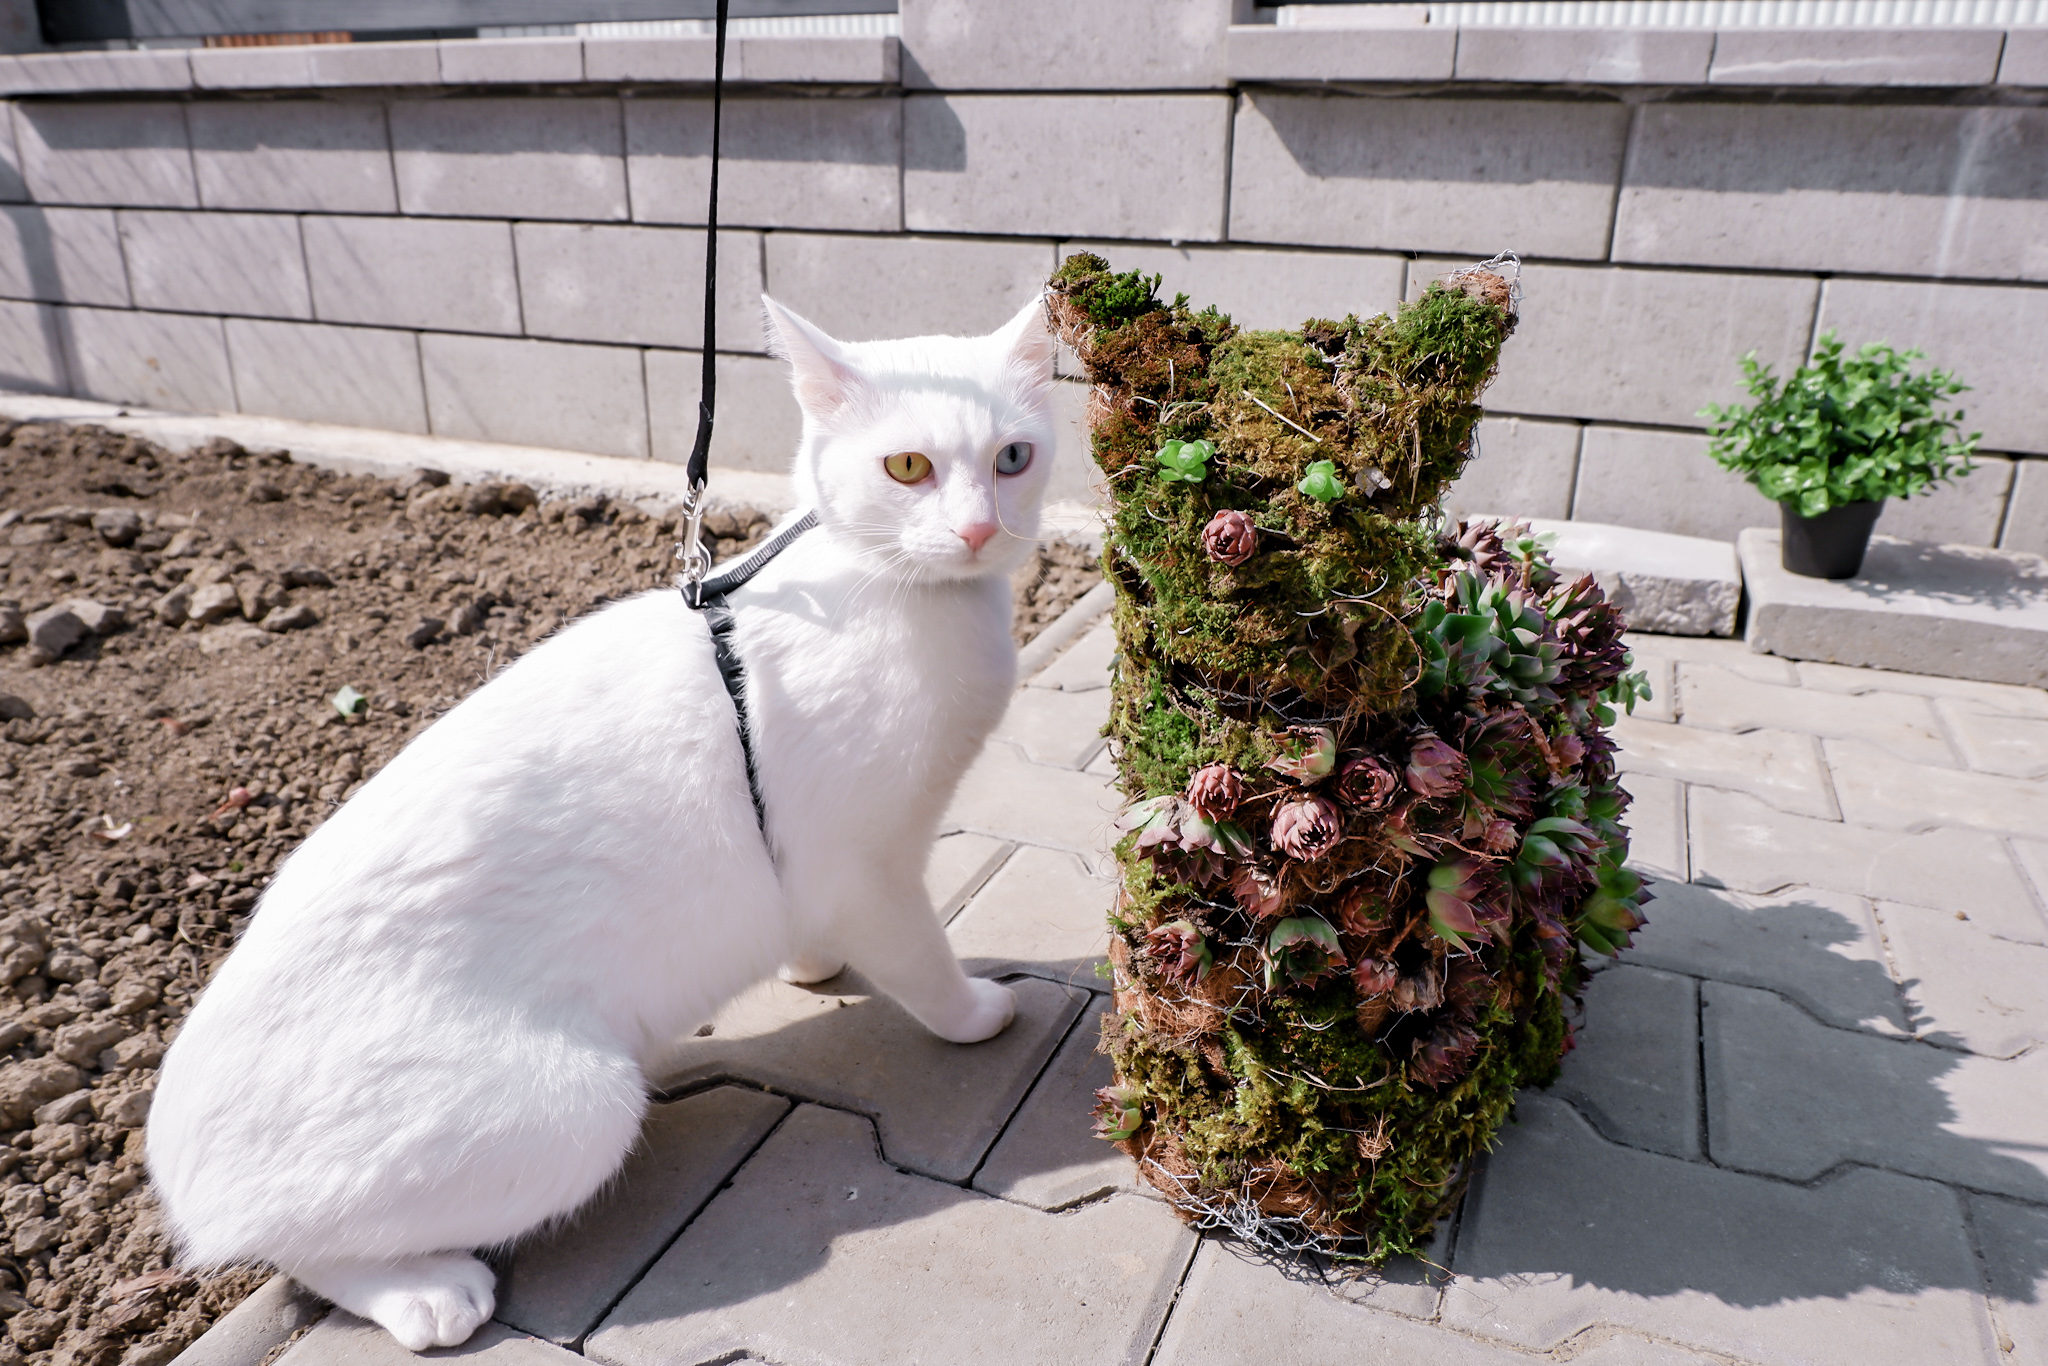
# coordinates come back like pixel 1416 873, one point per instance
pixel 695 562
pixel 703 591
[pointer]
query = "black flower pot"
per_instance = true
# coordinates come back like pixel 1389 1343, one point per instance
pixel 1831 545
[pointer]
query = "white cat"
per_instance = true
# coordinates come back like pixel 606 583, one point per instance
pixel 432 1037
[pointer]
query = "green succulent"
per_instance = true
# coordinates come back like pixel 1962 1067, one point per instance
pixel 1613 912
pixel 1490 637
pixel 1321 482
pixel 1624 692
pixel 1119 1112
pixel 1186 460
pixel 1303 949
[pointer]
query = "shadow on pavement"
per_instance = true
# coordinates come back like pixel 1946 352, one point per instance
pixel 1807 1150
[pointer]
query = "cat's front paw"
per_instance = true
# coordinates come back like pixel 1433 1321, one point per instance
pixel 438 1300
pixel 994 1006
pixel 808 970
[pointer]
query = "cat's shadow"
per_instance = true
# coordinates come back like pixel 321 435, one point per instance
pixel 799 1094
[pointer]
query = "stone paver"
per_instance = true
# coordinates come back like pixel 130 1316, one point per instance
pixel 1960 610
pixel 1043 912
pixel 1877 788
pixel 1053 726
pixel 558 1285
pixel 1567 1233
pixel 1739 842
pixel 2014 1241
pixel 1237 1308
pixel 1822 949
pixel 960 863
pixel 818 1253
pixel 1049 1157
pixel 1656 825
pixel 2033 857
pixel 1720 699
pixel 1635 1070
pixel 2006 699
pixel 1731 655
pixel 1684 585
pixel 938 1105
pixel 1083 666
pixel 1970 988
pixel 258 1325
pixel 1790 1097
pixel 1993 742
pixel 1778 766
pixel 1005 794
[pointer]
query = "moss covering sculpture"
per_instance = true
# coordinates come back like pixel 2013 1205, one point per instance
pixel 1372 808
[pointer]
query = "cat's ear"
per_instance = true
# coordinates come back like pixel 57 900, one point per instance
pixel 819 371
pixel 1027 343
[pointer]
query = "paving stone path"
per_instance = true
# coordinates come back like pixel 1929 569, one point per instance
pixel 1806 1122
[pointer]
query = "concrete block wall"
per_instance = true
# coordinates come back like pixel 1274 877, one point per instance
pixel 502 239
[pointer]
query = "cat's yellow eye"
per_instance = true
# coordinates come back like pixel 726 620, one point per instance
pixel 908 467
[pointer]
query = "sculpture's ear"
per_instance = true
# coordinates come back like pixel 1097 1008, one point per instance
pixel 820 373
pixel 1028 342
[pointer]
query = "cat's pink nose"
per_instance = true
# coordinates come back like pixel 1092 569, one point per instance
pixel 976 534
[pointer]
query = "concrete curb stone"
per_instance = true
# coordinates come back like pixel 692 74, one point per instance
pixel 1663 583
pixel 1955 611
pixel 255 1327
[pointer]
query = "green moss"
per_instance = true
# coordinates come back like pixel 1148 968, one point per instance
pixel 1309 1088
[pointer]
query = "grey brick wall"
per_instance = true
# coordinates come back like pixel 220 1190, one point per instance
pixel 502 239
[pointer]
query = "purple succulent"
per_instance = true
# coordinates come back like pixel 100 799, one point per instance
pixel 1181 952
pixel 1230 538
pixel 1435 770
pixel 1444 1054
pixel 1367 783
pixel 1119 1112
pixel 1499 836
pixel 1371 976
pixel 1183 841
pixel 1256 891
pixel 1215 790
pixel 1455 889
pixel 1307 828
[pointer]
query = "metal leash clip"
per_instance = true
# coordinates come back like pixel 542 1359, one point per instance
pixel 690 550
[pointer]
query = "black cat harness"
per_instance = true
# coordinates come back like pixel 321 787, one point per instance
pixel 707 595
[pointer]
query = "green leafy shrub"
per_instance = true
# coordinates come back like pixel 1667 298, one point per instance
pixel 1843 429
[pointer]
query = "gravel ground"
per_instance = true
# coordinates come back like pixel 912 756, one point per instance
pixel 174 630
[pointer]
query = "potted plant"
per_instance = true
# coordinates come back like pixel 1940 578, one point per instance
pixel 1372 811
pixel 1840 436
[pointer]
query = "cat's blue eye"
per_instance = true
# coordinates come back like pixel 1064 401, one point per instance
pixel 1014 458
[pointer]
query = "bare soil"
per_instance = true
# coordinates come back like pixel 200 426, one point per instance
pixel 154 772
